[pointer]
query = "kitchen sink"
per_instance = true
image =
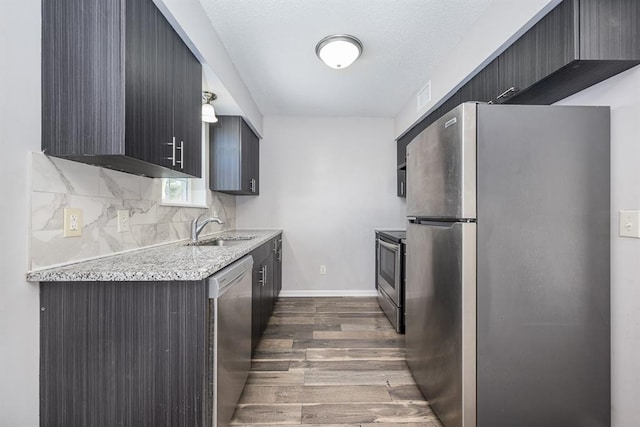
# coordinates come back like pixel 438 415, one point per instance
pixel 223 242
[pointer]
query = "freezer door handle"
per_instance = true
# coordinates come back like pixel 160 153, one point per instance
pixel 432 223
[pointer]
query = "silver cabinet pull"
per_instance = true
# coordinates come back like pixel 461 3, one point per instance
pixel 402 188
pixel 253 185
pixel 173 152
pixel 263 274
pixel 507 93
pixel 181 148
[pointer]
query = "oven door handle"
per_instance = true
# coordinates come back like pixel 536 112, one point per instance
pixel 390 246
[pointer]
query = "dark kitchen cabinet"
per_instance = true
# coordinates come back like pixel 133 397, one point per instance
pixel 120 89
pixel 234 157
pixel 544 49
pixel 277 268
pixel 577 44
pixel 483 87
pixel 402 182
pixel 125 354
pixel 267 282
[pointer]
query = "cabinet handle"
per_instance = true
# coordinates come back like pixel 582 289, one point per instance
pixel 253 185
pixel 173 152
pixel 402 188
pixel 279 255
pixel 507 93
pixel 181 161
pixel 263 271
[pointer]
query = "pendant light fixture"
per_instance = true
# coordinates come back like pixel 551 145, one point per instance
pixel 208 113
pixel 339 50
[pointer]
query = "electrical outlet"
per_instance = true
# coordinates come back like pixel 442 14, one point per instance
pixel 630 223
pixel 72 222
pixel 123 221
pixel 323 269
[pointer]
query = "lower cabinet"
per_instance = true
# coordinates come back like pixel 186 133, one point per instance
pixel 140 353
pixel 267 283
pixel 125 354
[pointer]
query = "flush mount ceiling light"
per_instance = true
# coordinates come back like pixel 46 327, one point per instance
pixel 339 50
pixel 208 113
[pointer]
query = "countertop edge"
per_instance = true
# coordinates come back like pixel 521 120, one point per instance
pixel 212 260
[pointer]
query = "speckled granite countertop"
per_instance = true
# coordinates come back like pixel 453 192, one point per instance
pixel 175 261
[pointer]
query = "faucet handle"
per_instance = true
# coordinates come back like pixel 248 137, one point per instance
pixel 195 220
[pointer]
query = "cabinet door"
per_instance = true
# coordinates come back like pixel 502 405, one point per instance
pixel 545 48
pixel 267 292
pixel 250 161
pixel 483 87
pixel 224 155
pixel 401 151
pixel 609 30
pixel 187 101
pixel 277 270
pixel 148 83
pixel 402 183
pixel 256 306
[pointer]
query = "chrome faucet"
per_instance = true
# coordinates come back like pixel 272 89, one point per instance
pixel 196 228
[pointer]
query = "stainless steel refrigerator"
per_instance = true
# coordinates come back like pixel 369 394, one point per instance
pixel 507 297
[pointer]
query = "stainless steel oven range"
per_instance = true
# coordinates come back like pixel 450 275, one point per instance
pixel 390 255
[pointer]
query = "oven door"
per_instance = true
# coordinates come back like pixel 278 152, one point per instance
pixel 389 269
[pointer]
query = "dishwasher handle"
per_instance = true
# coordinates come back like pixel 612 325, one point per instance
pixel 221 281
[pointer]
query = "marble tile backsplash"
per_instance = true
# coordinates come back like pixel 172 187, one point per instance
pixel 57 184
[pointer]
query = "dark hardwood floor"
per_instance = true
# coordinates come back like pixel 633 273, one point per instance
pixel 331 361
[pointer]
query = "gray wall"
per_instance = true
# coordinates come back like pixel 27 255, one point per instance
pixel 328 182
pixel 622 93
pixel 19 133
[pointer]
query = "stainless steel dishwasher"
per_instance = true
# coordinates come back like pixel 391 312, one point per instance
pixel 229 338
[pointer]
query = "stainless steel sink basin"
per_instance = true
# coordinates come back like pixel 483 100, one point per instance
pixel 224 242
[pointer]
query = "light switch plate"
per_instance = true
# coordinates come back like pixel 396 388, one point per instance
pixel 72 222
pixel 630 223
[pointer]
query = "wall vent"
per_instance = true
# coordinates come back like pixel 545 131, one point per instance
pixel 424 96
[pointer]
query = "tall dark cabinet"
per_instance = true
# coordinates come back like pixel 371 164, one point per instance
pixel 234 157
pixel 120 89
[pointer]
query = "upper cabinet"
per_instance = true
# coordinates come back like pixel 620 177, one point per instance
pixel 576 45
pixel 579 43
pixel 120 89
pixel 235 157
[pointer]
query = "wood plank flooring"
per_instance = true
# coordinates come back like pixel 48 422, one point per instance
pixel 331 362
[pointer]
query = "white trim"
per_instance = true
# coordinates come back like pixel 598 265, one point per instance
pixel 328 293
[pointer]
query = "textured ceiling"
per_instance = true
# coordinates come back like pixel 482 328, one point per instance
pixel 272 44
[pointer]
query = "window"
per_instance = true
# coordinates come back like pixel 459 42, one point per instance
pixel 176 190
pixel 188 192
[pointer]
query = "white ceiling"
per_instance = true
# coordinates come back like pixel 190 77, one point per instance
pixel 272 45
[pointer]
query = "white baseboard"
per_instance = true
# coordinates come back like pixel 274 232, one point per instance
pixel 328 293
